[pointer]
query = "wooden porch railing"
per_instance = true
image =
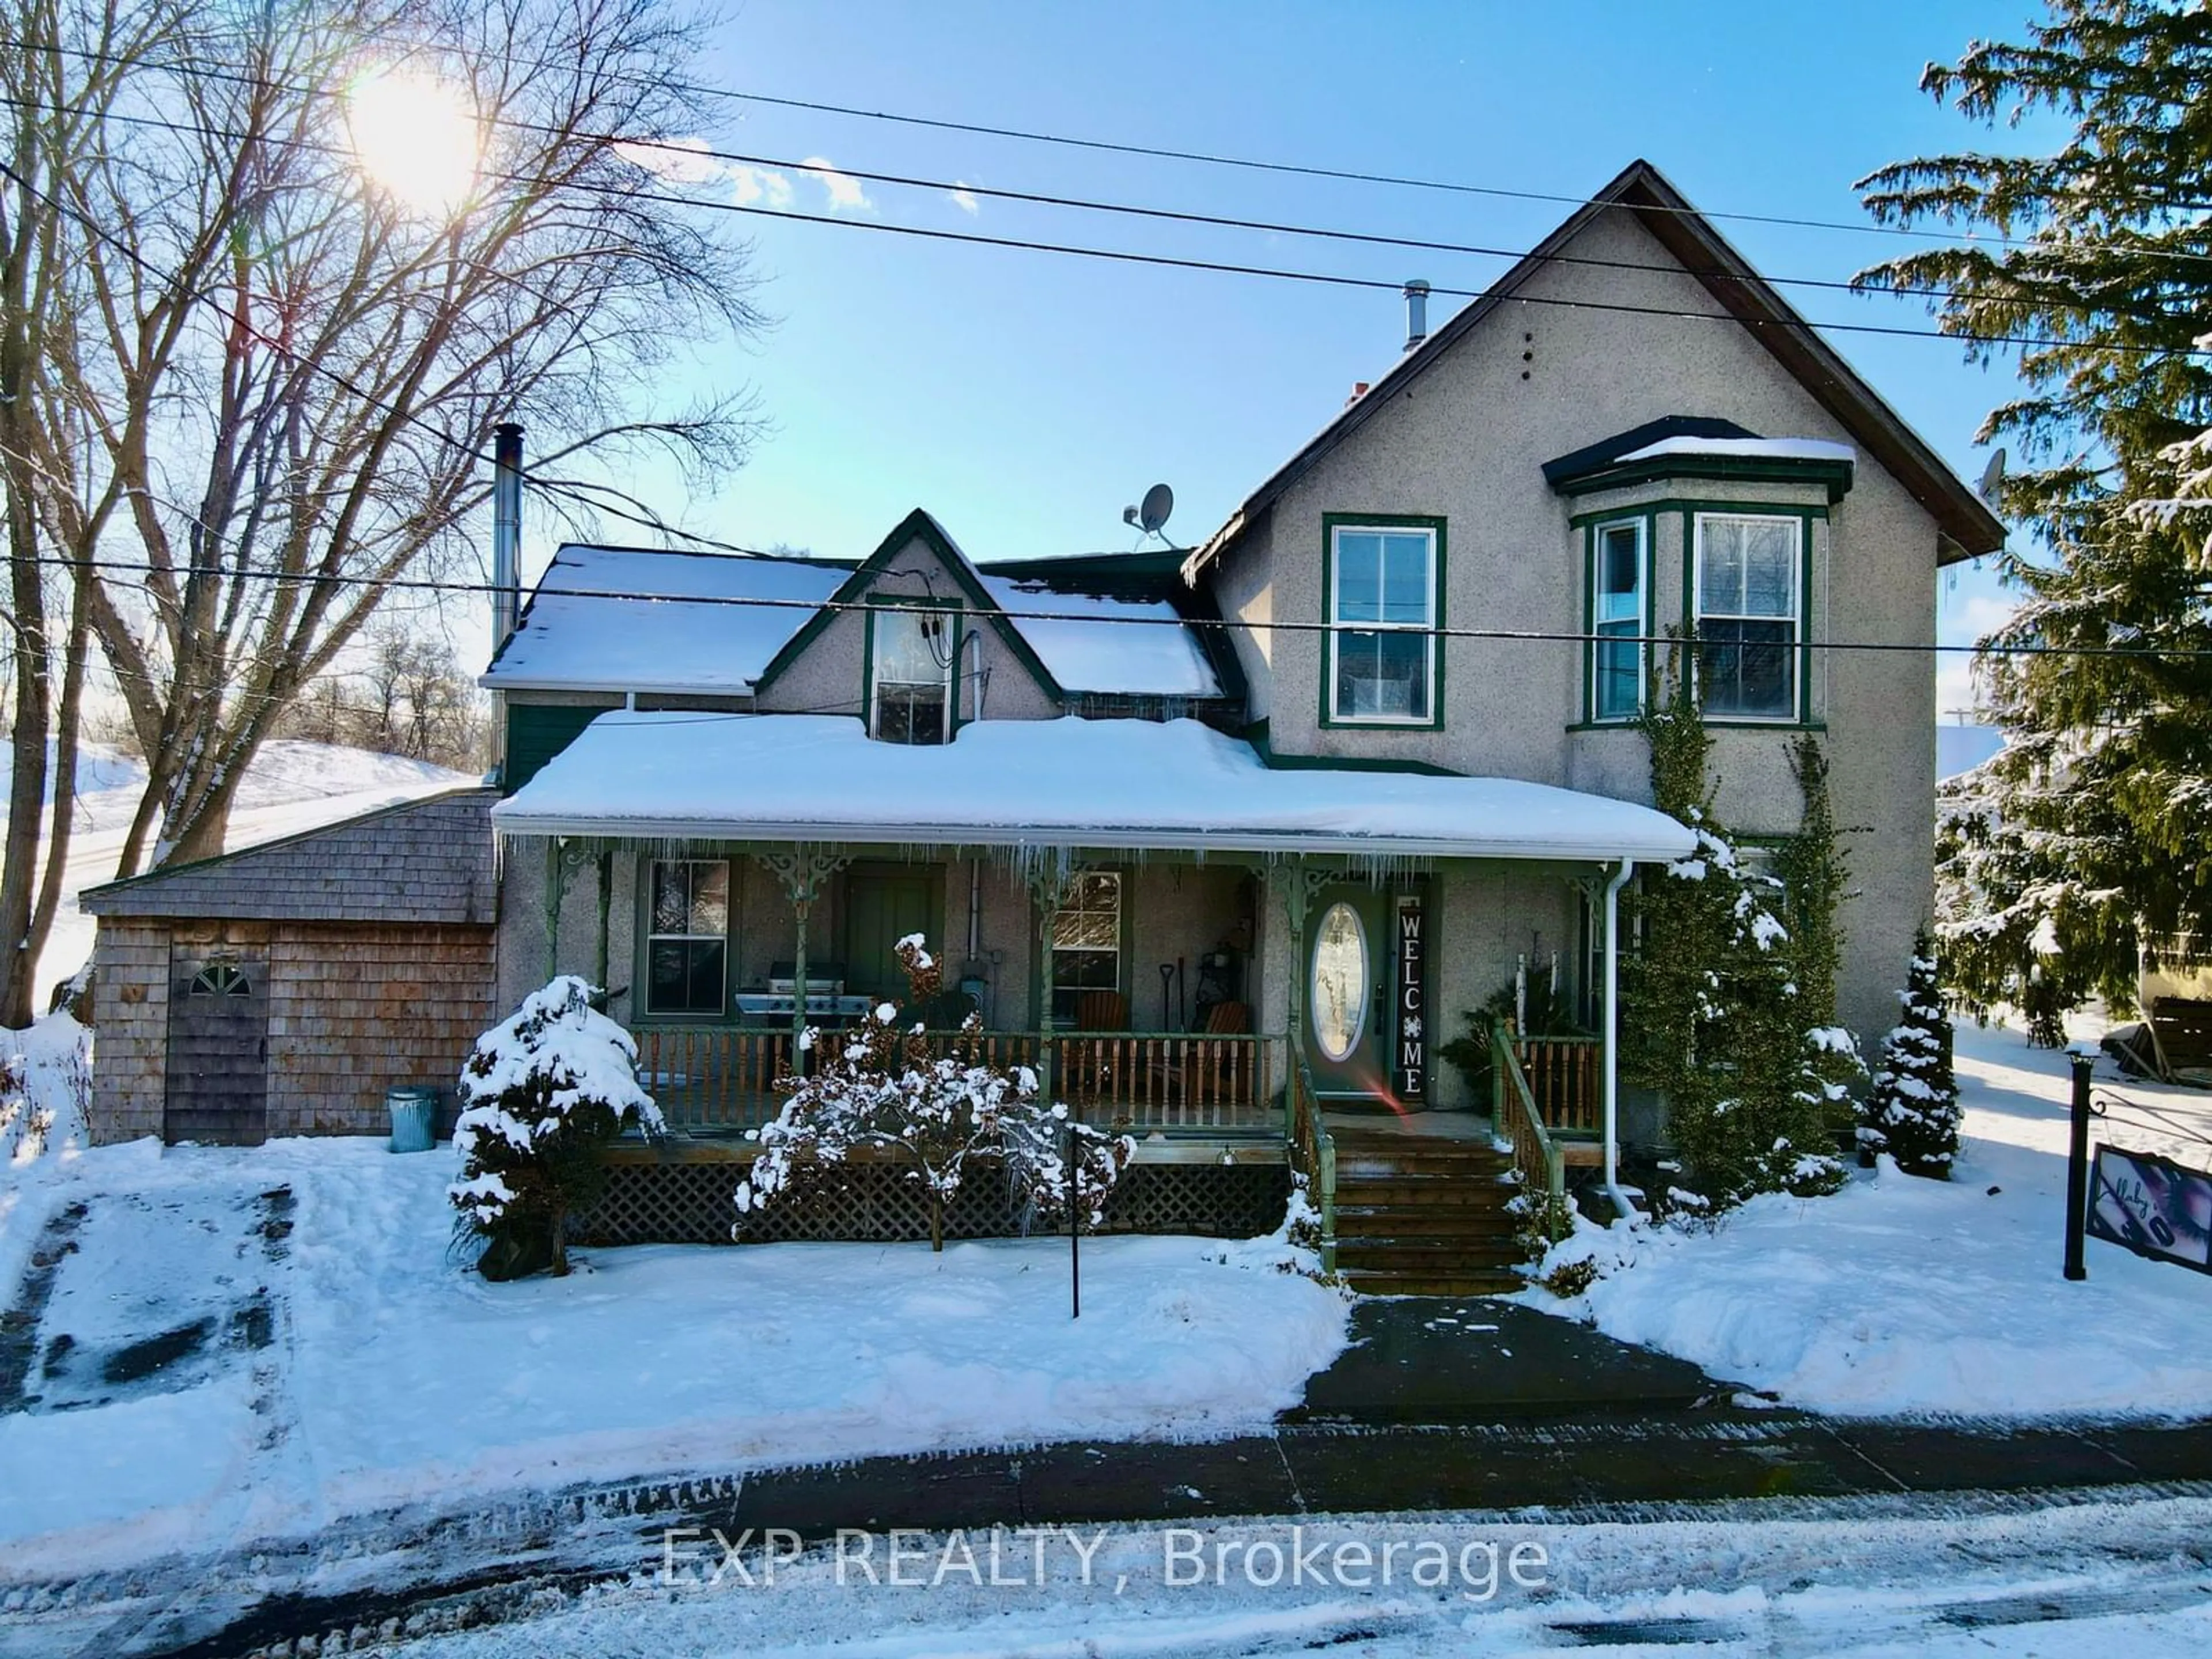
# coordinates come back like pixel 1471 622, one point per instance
pixel 1562 1074
pixel 1513 1113
pixel 1313 1154
pixel 721 1077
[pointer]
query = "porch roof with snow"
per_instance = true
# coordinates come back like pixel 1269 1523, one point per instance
pixel 1139 785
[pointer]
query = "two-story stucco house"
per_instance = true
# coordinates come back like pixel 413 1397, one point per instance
pixel 1229 838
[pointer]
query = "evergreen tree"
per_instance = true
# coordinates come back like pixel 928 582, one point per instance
pixel 1912 1111
pixel 2086 841
pixel 1716 1020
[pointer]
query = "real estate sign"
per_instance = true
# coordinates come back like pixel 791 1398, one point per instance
pixel 2152 1206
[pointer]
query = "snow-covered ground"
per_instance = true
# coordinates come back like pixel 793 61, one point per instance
pixel 291 786
pixel 1901 1294
pixel 330 1357
pixel 1869 1580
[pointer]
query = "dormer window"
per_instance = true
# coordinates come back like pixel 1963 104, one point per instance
pixel 911 652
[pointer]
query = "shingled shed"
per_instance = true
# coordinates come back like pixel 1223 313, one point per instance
pixel 282 990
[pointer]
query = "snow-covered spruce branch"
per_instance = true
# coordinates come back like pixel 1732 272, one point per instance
pixel 540 1094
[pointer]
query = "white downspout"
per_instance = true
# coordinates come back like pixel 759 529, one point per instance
pixel 1610 1048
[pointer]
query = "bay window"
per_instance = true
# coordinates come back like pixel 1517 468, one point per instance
pixel 1620 566
pixel 1748 587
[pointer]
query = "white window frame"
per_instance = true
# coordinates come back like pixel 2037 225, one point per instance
pixel 1642 527
pixel 653 866
pixel 1426 628
pixel 877 682
pixel 1800 530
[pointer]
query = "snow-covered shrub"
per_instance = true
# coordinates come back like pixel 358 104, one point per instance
pixel 540 1095
pixel 46 1088
pixel 879 1086
pixel 1912 1111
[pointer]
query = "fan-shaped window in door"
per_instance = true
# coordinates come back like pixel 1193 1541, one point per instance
pixel 221 979
pixel 1340 980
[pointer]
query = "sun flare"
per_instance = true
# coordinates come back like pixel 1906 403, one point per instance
pixel 417 138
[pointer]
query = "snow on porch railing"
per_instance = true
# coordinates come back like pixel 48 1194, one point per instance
pixel 720 1077
pixel 1513 1115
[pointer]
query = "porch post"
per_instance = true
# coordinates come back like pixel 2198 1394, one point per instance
pixel 1299 882
pixel 1048 890
pixel 560 859
pixel 1609 1049
pixel 801 873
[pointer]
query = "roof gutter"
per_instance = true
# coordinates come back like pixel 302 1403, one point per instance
pixel 509 823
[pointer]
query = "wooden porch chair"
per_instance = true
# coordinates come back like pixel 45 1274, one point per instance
pixel 1088 1073
pixel 1201 1073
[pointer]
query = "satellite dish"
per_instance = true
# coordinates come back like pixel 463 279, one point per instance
pixel 1992 476
pixel 1159 502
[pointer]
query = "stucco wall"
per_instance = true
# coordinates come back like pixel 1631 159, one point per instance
pixel 827 677
pixel 1465 441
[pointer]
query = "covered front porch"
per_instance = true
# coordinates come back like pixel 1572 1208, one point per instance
pixel 1223 960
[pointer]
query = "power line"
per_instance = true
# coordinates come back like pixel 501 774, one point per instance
pixel 1220 267
pixel 579 492
pixel 1506 635
pixel 699 151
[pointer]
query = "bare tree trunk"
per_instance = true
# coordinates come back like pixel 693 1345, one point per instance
pixel 67 723
pixel 27 791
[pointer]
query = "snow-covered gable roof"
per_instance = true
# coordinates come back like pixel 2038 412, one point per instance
pixel 1176 785
pixel 677 627
pixel 636 619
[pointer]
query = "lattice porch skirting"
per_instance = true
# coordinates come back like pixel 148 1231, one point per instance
pixel 688 1203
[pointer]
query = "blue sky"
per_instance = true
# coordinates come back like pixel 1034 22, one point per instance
pixel 1025 398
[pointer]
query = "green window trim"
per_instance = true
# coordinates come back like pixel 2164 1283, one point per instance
pixel 962 633
pixel 1594 527
pixel 641 996
pixel 1041 985
pixel 1801 716
pixel 1331 523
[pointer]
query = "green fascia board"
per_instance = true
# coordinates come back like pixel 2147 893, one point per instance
pixel 1256 735
pixel 854 591
pixel 1835 475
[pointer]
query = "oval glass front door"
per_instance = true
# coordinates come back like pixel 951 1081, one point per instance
pixel 1340 981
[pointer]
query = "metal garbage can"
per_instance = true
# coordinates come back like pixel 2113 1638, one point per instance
pixel 414 1110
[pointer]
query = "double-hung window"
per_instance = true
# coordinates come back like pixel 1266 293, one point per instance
pixel 1086 943
pixel 687 940
pixel 1382 614
pixel 1749 614
pixel 912 654
pixel 1620 566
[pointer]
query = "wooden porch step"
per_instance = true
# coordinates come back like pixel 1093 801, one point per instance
pixel 1430 1255
pixel 1423 1221
pixel 1368 1166
pixel 1368 1282
pixel 1428 1192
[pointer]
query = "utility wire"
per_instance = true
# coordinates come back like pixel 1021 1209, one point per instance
pixel 1255 164
pixel 1788 324
pixel 1511 635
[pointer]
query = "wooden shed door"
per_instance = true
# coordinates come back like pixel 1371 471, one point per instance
pixel 218 1066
